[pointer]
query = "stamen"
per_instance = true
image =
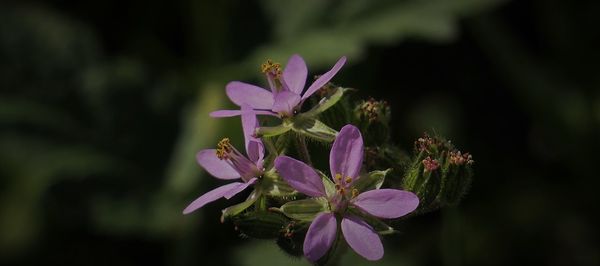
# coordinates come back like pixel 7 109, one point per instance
pixel 338 177
pixel 223 149
pixel 354 192
pixel 348 180
pixel 271 68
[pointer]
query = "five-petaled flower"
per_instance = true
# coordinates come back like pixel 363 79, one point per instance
pixel 226 162
pixel 287 86
pixel 345 161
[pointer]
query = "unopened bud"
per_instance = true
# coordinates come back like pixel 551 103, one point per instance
pixel 424 179
pixel 260 224
pixel 457 177
pixel 440 174
pixel 372 118
pixel 430 165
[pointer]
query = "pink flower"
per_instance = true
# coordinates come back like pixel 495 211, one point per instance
pixel 345 161
pixel 287 86
pixel 227 163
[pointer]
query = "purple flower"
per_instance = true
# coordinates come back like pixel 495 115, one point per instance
pixel 286 96
pixel 227 163
pixel 345 161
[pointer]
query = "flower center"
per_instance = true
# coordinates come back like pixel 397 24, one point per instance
pixel 224 148
pixel 344 194
pixel 244 166
pixel 269 67
pixel 274 73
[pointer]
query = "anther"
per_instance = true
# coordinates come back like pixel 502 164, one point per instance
pixel 338 177
pixel 354 192
pixel 223 148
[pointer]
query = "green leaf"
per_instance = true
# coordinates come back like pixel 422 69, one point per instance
pixel 313 128
pixel 370 181
pixel 273 185
pixel 306 209
pixel 326 102
pixel 238 208
pixel 329 185
pixel 273 131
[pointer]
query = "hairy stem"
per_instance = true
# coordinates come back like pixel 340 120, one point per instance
pixel 270 146
pixel 303 150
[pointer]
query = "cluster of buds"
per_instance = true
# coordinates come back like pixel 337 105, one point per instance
pixel 430 165
pixel 374 110
pixel 458 158
pixel 291 200
pixel 439 174
pixel 373 118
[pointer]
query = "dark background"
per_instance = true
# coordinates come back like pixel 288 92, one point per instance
pixel 103 105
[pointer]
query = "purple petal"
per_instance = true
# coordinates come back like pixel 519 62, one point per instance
pixel 285 102
pixel 300 176
pixel 362 238
pixel 320 236
pixel 387 203
pixel 323 79
pixel 242 93
pixel 239 188
pixel 346 155
pixel 254 146
pixel 295 73
pixel 214 166
pixel 211 196
pixel 256 152
pixel 231 113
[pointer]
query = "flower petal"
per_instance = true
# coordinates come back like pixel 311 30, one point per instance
pixel 211 196
pixel 323 79
pixel 254 146
pixel 362 238
pixel 239 188
pixel 243 93
pixel 285 102
pixel 214 166
pixel 295 73
pixel 346 155
pixel 320 236
pixel 256 152
pixel 231 113
pixel 300 176
pixel 387 203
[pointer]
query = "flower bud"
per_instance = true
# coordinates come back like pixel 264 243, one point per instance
pixel 373 118
pixel 440 174
pixel 457 177
pixel 260 224
pixel 424 179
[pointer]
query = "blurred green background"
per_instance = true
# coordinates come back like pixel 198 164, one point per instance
pixel 103 105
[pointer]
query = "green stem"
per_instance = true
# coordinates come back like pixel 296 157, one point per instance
pixel 270 146
pixel 303 149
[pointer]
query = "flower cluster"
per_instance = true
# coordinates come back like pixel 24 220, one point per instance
pixel 291 199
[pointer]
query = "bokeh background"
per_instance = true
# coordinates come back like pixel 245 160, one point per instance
pixel 103 105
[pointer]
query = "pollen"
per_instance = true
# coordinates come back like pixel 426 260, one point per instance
pixel 354 192
pixel 338 177
pixel 348 180
pixel 223 149
pixel 270 67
